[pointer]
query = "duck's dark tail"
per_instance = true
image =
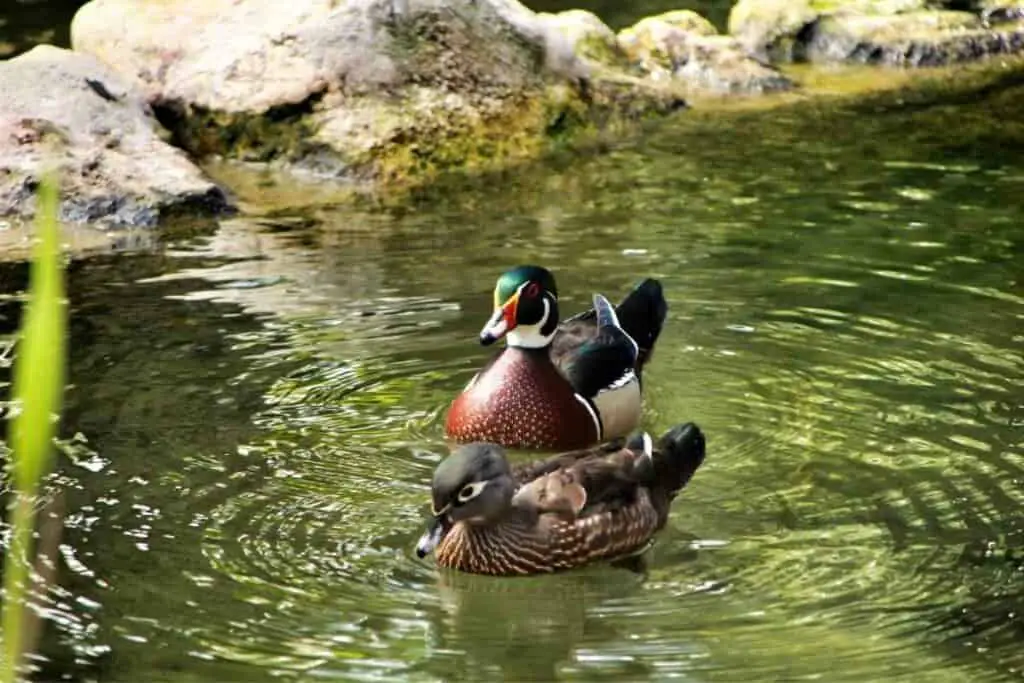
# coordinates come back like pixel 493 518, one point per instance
pixel 677 456
pixel 642 314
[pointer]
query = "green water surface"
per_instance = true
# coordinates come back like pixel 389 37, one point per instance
pixel 263 410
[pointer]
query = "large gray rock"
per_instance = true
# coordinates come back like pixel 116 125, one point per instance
pixel 679 46
pixel 996 11
pixel 925 38
pixel 386 89
pixel 68 111
pixel 588 38
pixel 769 29
pixel 685 46
pixel 893 32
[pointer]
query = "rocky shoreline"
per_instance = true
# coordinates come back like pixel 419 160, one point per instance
pixel 394 93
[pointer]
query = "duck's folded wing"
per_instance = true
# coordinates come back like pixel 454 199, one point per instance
pixel 641 315
pixel 604 360
pixel 527 472
pixel 557 492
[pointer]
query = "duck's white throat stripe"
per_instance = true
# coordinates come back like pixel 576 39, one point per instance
pixel 530 336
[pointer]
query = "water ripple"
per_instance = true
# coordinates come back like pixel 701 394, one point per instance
pixel 845 328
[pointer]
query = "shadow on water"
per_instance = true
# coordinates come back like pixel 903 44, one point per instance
pixel 262 409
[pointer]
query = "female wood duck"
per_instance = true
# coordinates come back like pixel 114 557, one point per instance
pixel 601 503
pixel 558 386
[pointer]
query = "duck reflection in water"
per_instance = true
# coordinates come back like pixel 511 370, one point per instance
pixel 523 629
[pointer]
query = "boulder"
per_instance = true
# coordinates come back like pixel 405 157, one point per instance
pixel 720 64
pixel 68 111
pixel 924 38
pixel 769 29
pixel 892 32
pixel 996 11
pixel 589 38
pixel 386 90
pixel 684 46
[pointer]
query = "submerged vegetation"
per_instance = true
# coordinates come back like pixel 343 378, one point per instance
pixel 36 393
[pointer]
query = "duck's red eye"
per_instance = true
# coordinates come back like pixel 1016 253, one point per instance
pixel 532 289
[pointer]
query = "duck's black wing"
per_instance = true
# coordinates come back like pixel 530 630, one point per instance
pixel 641 315
pixel 604 360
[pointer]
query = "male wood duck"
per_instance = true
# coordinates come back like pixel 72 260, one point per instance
pixel 601 503
pixel 558 386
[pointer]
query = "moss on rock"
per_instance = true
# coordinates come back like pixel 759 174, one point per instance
pixel 277 134
pixel 430 138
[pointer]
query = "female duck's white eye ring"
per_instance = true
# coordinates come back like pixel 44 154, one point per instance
pixel 471 491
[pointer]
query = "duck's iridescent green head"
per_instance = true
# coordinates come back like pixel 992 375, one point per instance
pixel 525 308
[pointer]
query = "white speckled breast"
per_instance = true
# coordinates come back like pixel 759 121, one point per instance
pixel 521 401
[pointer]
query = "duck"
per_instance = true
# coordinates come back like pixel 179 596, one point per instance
pixel 605 502
pixel 558 386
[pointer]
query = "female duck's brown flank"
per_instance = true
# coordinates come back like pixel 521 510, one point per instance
pixel 558 513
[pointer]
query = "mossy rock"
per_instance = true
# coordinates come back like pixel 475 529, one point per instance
pixel 357 90
pixel 927 38
pixel 685 47
pixel 589 38
pixel 719 65
pixel 997 11
pixel 771 29
pixel 875 7
pixel 424 134
pixel 657 44
pixel 68 110
pixel 684 20
pixel 890 32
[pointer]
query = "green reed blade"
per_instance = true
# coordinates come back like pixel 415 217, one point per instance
pixel 37 391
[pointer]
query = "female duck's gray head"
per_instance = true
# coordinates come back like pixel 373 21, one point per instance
pixel 473 485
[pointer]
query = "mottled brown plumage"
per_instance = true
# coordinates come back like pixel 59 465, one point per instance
pixel 562 512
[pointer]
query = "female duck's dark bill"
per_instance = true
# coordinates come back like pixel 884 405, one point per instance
pixel 432 536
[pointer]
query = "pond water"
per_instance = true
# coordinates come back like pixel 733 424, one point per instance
pixel 262 409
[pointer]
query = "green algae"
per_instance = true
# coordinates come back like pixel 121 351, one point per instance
pixel 425 139
pixel 281 133
pixel 607 54
pixel 522 127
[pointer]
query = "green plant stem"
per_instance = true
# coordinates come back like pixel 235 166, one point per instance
pixel 15 584
pixel 37 391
